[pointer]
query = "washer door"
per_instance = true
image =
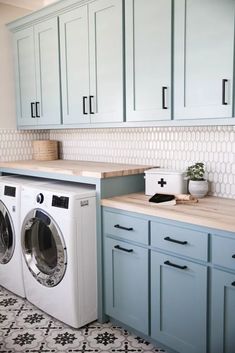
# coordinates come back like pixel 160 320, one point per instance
pixel 44 248
pixel 7 239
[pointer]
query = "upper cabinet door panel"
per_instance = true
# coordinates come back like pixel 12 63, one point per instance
pixel 25 76
pixel 75 66
pixel 204 44
pixel 47 72
pixel 148 59
pixel 106 60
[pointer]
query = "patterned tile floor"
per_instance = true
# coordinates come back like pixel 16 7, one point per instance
pixel 24 328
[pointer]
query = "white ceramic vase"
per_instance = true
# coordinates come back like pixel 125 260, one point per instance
pixel 198 188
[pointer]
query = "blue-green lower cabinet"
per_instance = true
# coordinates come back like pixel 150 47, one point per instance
pixel 178 303
pixel 126 283
pixel 223 312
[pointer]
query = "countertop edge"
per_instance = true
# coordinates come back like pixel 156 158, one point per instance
pixel 101 171
pixel 164 213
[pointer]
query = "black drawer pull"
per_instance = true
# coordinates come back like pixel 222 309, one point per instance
pixel 32 110
pixel 174 265
pixel 123 249
pixel 176 241
pixel 233 284
pixel 84 98
pixel 37 110
pixel 233 256
pixel 124 228
pixel 224 82
pixel 164 89
pixel 90 104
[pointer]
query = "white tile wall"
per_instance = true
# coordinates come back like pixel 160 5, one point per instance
pixel 169 147
pixel 17 145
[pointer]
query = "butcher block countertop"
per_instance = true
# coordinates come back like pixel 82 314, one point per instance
pixel 77 168
pixel 212 212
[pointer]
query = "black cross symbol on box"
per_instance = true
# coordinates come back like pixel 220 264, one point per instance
pixel 162 182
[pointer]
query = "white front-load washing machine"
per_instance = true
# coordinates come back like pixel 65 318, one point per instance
pixel 11 276
pixel 59 251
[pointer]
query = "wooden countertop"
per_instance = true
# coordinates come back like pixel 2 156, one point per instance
pixel 212 212
pixel 77 168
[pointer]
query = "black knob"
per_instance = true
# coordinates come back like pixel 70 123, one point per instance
pixel 40 198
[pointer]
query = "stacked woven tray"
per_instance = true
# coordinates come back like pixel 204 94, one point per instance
pixel 45 150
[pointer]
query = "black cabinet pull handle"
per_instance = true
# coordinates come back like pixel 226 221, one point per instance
pixel 32 110
pixel 90 104
pixel 233 284
pixel 164 89
pixel 123 249
pixel 84 98
pixel 176 241
pixel 37 110
pixel 174 265
pixel 224 81
pixel 233 256
pixel 124 228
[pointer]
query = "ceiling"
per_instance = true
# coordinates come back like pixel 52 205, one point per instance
pixel 28 4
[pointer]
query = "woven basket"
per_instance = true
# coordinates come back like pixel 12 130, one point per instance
pixel 45 150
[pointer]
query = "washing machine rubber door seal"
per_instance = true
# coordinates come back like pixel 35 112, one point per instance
pixel 7 235
pixel 44 248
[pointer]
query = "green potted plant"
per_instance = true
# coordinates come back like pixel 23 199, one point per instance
pixel 198 186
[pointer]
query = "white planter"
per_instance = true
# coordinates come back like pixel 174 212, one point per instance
pixel 198 188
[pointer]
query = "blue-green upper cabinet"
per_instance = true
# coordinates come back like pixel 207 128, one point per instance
pixel 25 76
pixel 91 65
pixel 106 61
pixel 37 74
pixel 148 59
pixel 203 58
pixel 74 48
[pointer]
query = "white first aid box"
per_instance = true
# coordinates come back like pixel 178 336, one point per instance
pixel 165 181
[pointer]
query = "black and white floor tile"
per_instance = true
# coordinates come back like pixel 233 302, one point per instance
pixel 24 328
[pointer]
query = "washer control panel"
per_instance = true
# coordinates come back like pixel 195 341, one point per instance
pixel 9 191
pixel 60 201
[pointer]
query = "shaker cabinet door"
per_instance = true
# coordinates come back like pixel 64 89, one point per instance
pixel 148 60
pixel 38 74
pixel 178 303
pixel 203 58
pixel 223 312
pixel 25 77
pixel 106 61
pixel 126 283
pixel 75 66
pixel 47 72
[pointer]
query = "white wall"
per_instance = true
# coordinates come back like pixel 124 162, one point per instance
pixel 7 86
pixel 48 2
pixel 25 4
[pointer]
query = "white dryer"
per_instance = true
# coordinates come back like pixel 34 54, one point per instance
pixel 11 276
pixel 59 250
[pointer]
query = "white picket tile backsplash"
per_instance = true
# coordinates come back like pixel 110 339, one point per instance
pixel 17 145
pixel 168 147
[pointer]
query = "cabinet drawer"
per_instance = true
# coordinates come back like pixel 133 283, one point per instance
pixel 183 241
pixel 126 227
pixel 223 251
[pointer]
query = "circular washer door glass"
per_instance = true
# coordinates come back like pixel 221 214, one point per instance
pixel 7 240
pixel 44 248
